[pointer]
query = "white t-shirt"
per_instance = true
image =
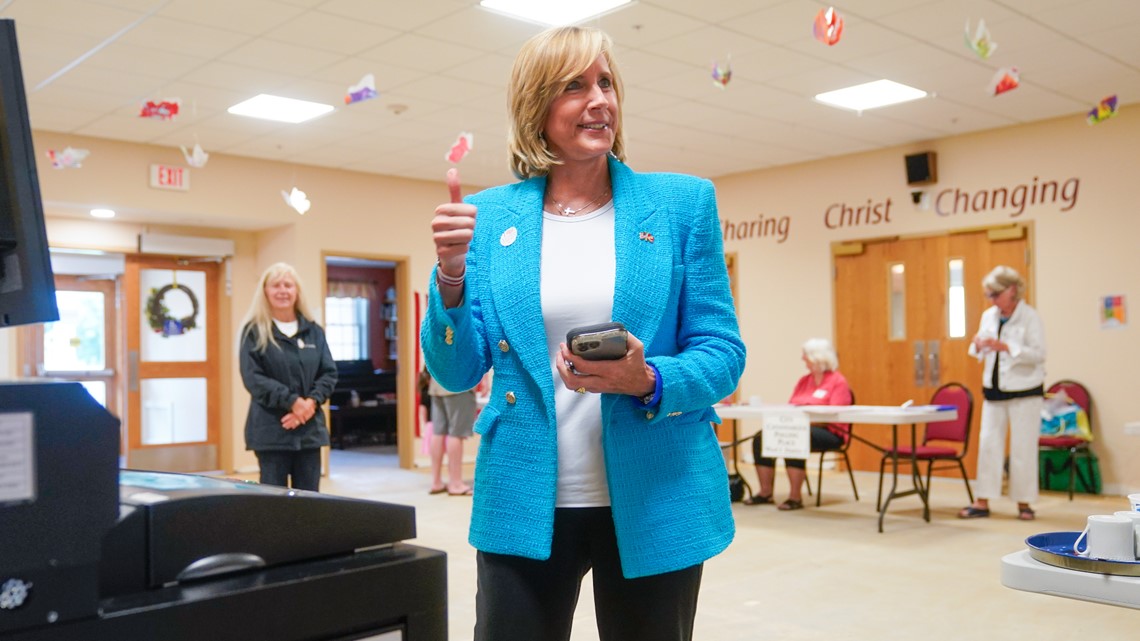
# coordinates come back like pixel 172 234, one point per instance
pixel 288 329
pixel 578 274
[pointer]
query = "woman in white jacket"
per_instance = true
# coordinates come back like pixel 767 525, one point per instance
pixel 1011 344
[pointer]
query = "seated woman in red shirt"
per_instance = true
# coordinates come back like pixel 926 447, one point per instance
pixel 823 385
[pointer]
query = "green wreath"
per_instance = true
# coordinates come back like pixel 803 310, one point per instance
pixel 158 314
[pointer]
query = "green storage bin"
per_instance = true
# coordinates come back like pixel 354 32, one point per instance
pixel 1053 467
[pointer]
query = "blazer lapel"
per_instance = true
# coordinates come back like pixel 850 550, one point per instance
pixel 516 256
pixel 644 249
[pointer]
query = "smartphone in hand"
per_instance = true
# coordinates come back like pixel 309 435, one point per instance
pixel 601 342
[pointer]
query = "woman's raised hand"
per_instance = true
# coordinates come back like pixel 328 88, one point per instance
pixel 452 229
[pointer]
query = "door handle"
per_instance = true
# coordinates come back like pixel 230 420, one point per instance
pixel 932 356
pixel 133 370
pixel 919 364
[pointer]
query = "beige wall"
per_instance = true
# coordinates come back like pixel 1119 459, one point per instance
pixel 784 289
pixel 239 199
pixel 1082 254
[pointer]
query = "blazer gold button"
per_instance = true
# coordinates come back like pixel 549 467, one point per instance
pixel 449 335
pixel 649 415
pixel 511 398
pixel 504 346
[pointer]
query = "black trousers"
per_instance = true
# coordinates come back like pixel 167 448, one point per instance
pixel 304 466
pixel 526 600
pixel 822 440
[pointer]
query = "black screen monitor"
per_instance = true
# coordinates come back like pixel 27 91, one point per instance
pixel 27 287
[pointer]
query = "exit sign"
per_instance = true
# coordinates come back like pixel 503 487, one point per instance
pixel 167 177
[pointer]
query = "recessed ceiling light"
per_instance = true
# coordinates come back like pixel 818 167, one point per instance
pixel 870 95
pixel 281 109
pixel 553 12
pixel 103 213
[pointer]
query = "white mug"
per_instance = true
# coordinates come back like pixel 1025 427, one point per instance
pixel 1109 537
pixel 1134 500
pixel 1135 518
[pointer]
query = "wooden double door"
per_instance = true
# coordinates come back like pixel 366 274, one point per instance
pixel 906 310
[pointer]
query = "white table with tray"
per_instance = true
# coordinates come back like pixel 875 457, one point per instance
pixel 1049 566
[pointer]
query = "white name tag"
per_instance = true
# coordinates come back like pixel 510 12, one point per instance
pixel 787 434
pixel 820 393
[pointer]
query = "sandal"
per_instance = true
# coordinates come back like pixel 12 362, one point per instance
pixel 1026 514
pixel 971 512
pixel 790 504
pixel 756 499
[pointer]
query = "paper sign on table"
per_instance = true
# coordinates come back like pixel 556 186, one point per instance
pixel 787 434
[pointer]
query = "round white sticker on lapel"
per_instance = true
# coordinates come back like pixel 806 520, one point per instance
pixel 508 237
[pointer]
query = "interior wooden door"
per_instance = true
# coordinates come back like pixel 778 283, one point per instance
pixel 906 310
pixel 173 387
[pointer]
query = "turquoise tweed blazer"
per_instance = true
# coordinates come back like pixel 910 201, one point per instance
pixel 667 479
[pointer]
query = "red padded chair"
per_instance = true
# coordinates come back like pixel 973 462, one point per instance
pixel 1074 446
pixel 943 442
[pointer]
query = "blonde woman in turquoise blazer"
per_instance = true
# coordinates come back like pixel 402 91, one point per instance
pixel 604 465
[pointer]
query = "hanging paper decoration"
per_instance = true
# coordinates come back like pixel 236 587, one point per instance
pixel 197 157
pixel 1104 110
pixel 980 43
pixel 68 158
pixel 828 26
pixel 722 74
pixel 363 90
pixel 161 109
pixel 463 144
pixel 1006 79
pixel 297 200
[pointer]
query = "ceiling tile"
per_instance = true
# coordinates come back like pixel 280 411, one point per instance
pixel 418 52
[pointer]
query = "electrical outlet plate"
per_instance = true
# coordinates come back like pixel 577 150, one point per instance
pixel 1132 428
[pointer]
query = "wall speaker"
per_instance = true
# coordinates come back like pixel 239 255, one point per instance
pixel 922 169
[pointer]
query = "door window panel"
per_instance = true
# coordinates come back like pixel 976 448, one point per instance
pixel 956 298
pixel 77 341
pixel 173 315
pixel 173 410
pixel 896 289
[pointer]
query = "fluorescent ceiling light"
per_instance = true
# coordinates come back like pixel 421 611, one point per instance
pixel 269 107
pixel 103 213
pixel 870 95
pixel 553 12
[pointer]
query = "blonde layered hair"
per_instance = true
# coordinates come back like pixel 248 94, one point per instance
pixel 259 319
pixel 1002 278
pixel 543 68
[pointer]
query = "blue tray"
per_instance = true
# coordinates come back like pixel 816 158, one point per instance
pixel 1056 548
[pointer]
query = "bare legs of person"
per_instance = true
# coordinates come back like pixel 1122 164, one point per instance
pixel 454 449
pixel 455 484
pixel 980 508
pixel 767 475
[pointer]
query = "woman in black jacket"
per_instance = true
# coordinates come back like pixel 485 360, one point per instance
pixel 289 371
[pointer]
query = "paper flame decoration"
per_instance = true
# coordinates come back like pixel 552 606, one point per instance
pixel 363 90
pixel 463 144
pixel 161 110
pixel 980 43
pixel 828 26
pixel 197 157
pixel 1104 110
pixel 297 200
pixel 1006 79
pixel 69 158
pixel 722 74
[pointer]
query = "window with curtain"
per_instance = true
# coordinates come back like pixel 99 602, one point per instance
pixel 346 319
